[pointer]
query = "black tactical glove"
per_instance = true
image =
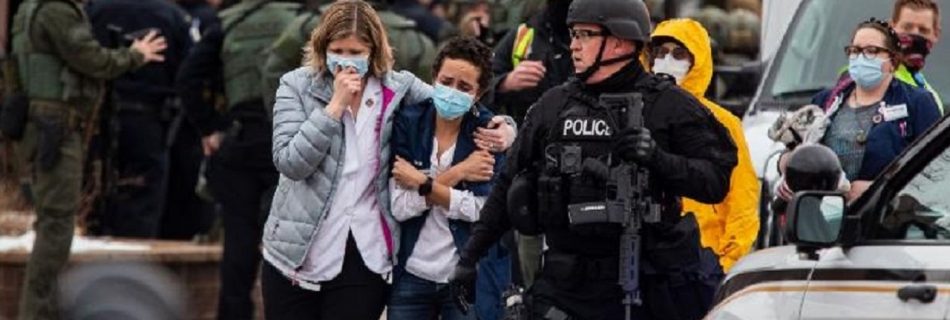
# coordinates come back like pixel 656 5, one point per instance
pixel 462 285
pixel 635 144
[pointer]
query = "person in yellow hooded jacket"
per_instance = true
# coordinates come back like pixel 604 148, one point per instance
pixel 681 48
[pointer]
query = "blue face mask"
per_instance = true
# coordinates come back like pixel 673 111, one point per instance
pixel 867 73
pixel 360 63
pixel 451 103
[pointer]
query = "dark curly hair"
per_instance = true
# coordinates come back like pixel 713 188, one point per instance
pixel 470 50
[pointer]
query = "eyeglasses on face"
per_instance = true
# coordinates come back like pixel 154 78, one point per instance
pixel 584 35
pixel 869 52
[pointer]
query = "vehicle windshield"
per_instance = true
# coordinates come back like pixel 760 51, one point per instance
pixel 921 210
pixel 813 58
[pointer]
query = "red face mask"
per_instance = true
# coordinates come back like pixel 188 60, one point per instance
pixel 915 49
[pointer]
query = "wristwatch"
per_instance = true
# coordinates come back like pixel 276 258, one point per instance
pixel 426 188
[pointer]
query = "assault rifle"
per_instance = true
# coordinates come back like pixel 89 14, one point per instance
pixel 628 200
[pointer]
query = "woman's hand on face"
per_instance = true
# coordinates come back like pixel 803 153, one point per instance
pixel 406 175
pixel 347 85
pixel 478 167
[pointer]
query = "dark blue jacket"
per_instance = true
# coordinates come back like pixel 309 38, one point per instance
pixel 413 131
pixel 887 139
pixel 114 20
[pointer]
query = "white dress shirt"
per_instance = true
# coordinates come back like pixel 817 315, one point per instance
pixel 434 256
pixel 354 206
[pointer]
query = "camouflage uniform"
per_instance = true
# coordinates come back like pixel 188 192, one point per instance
pixel 61 67
pixel 241 174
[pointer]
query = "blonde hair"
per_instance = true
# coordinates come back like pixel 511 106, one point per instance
pixel 350 18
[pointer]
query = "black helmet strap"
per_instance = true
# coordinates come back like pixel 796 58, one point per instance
pixel 583 76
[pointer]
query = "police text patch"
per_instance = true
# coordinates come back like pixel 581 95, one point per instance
pixel 586 128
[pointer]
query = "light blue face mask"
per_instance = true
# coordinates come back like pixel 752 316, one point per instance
pixel 450 103
pixel 867 73
pixel 360 63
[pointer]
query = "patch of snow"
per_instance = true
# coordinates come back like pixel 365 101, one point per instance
pixel 80 244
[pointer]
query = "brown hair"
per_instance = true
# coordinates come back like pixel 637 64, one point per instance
pixel 350 18
pixel 917 5
pixel 891 39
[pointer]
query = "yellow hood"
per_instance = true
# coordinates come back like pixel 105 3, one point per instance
pixel 692 35
pixel 728 228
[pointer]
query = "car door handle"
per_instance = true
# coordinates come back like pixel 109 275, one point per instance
pixel 923 292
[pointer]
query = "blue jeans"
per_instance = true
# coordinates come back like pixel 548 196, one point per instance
pixel 414 298
pixel 494 277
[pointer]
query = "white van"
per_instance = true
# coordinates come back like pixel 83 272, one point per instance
pixel 809 59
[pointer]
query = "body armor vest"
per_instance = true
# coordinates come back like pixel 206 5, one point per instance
pixel 577 162
pixel 44 75
pixel 250 28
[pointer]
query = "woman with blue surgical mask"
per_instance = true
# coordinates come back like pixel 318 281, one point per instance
pixel 330 241
pixel 872 120
pixel 442 175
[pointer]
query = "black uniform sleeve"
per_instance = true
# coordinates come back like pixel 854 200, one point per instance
pixel 696 154
pixel 201 68
pixel 493 221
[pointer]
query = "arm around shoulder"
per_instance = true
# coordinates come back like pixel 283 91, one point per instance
pixel 418 89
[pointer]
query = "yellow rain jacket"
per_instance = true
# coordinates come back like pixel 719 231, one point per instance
pixel 728 228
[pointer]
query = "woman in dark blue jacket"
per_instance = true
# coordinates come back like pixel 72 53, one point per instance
pixel 870 122
pixel 442 174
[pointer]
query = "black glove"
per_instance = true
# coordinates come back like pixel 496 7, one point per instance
pixel 635 144
pixel 462 285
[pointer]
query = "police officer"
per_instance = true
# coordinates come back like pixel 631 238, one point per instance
pixel 61 69
pixel 413 51
pixel 570 140
pixel 186 213
pixel 236 139
pixel 143 100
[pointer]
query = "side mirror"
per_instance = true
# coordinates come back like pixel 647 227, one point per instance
pixel 814 219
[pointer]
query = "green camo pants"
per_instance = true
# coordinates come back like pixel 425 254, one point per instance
pixel 56 191
pixel 529 254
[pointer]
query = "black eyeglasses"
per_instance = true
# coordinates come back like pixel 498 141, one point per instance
pixel 869 52
pixel 679 53
pixel 584 35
